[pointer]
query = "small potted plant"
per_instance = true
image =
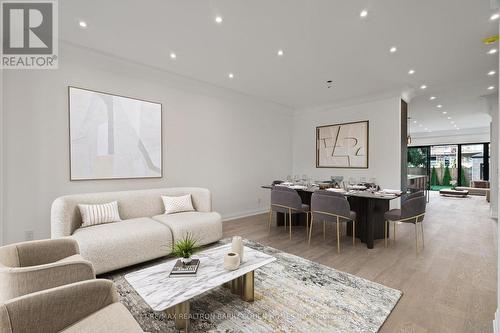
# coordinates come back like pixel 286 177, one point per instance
pixel 185 248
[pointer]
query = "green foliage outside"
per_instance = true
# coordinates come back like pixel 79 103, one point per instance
pixel 446 177
pixel 434 177
pixel 463 178
pixel 416 158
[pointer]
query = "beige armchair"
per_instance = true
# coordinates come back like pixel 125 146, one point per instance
pixel 37 265
pixel 87 306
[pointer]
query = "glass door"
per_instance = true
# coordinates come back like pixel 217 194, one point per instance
pixel 475 165
pixel 444 166
pixel 418 168
pixel 418 161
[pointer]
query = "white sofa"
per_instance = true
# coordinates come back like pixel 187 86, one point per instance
pixel 145 232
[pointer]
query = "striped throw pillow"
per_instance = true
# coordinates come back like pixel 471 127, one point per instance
pixel 179 204
pixel 99 213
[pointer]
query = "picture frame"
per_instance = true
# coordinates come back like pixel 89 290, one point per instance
pixel 344 145
pixel 113 136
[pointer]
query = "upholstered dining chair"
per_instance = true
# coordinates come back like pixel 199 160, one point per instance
pixel 37 265
pixel 412 211
pixel 333 207
pixel 287 201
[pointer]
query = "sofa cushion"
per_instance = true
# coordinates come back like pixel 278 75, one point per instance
pixel 178 204
pixel 205 227
pixel 99 213
pixel 113 318
pixel 116 245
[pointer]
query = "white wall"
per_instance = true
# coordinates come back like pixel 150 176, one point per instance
pixel 213 137
pixel 384 140
pixel 492 103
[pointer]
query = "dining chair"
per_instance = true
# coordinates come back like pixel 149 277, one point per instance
pixel 412 211
pixel 287 201
pixel 328 206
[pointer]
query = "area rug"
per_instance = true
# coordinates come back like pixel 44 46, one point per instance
pixel 292 294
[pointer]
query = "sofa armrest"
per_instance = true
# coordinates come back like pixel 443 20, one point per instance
pixel 55 309
pixel 18 281
pixel 45 251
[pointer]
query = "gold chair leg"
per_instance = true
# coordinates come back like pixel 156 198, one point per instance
pixel 385 232
pixel 422 227
pixel 324 230
pixel 311 229
pixel 416 238
pixel 290 212
pixel 285 220
pixel 338 235
pixel 307 223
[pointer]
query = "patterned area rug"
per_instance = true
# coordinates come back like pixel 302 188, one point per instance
pixel 292 294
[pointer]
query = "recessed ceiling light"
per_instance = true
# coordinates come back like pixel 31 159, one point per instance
pixel 218 19
pixel 439 106
pixel 393 49
pixel 414 121
pixel 411 71
pixel 458 129
pixel 423 87
pixel 444 112
pixel 363 13
pixel 280 52
pixel 492 51
pixel 82 24
pixel 230 75
pixel 494 17
pixel 491 87
pixel 491 73
pixel 449 118
pixel 432 98
pixel 173 55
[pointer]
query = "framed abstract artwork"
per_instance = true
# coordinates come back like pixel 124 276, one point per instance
pixel 342 145
pixel 113 137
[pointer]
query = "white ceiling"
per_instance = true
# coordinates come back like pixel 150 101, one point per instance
pixel 322 40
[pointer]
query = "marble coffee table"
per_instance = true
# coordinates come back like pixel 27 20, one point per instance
pixel 172 294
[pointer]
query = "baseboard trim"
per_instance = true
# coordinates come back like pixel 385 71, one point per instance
pixel 241 215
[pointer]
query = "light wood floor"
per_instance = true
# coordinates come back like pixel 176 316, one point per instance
pixel 449 287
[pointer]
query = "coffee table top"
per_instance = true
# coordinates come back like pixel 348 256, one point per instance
pixel 161 292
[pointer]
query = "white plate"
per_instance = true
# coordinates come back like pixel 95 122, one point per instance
pixel 298 187
pixel 339 190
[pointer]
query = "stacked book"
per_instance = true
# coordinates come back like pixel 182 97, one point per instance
pixel 181 269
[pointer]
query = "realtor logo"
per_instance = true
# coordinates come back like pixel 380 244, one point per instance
pixel 29 34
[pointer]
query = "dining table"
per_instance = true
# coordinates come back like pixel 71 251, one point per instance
pixel 370 207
